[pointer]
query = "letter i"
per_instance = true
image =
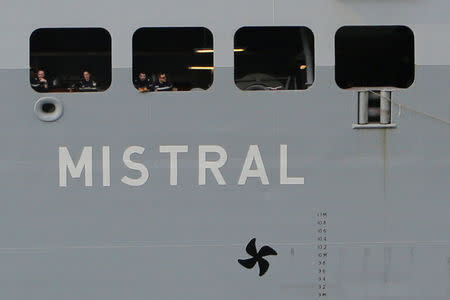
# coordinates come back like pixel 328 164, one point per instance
pixel 106 166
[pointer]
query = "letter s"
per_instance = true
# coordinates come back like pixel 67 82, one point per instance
pixel 134 166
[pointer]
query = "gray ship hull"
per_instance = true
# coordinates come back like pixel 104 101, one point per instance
pixel 383 194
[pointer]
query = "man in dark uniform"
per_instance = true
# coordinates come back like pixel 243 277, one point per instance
pixel 86 84
pixel 143 84
pixel 39 83
pixel 162 84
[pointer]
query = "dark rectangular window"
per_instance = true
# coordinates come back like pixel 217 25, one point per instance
pixel 70 59
pixel 374 56
pixel 273 58
pixel 172 59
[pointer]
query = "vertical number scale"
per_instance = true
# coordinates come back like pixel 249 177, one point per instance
pixel 322 254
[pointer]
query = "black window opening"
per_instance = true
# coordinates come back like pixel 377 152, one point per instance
pixel 374 56
pixel 70 60
pixel 173 59
pixel 274 58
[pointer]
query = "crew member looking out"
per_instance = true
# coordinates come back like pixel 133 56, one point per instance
pixel 143 83
pixel 86 84
pixel 162 84
pixel 39 83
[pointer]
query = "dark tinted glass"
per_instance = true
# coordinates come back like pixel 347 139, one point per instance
pixel 273 58
pixel 64 54
pixel 183 54
pixel 374 56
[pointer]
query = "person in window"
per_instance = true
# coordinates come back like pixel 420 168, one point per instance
pixel 143 84
pixel 86 84
pixel 162 84
pixel 39 83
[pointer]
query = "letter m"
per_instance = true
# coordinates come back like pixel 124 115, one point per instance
pixel 66 162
